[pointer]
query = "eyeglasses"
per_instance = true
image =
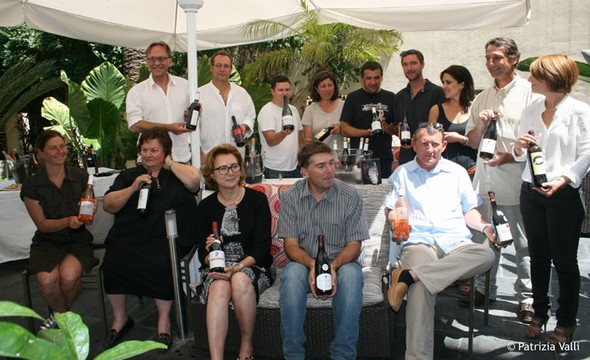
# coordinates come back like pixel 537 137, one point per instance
pixel 153 59
pixel 220 65
pixel 224 169
pixel 435 126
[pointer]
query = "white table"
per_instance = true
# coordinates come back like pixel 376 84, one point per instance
pixel 17 228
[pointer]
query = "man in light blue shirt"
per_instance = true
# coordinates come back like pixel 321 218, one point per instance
pixel 438 251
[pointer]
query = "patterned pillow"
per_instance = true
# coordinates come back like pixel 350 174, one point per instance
pixel 273 193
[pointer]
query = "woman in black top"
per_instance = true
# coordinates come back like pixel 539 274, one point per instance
pixel 137 258
pixel 453 114
pixel 62 246
pixel 244 222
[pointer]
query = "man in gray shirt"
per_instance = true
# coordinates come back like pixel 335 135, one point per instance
pixel 321 205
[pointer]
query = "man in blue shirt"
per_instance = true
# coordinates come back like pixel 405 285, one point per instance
pixel 438 251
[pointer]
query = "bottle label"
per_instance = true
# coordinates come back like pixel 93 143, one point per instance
pixel 324 281
pixel 503 232
pixel 194 117
pixel 216 259
pixel 86 207
pixel 538 163
pixel 287 120
pixel 376 125
pixel 321 134
pixel 143 198
pixel 401 212
pixel 406 135
pixel 488 146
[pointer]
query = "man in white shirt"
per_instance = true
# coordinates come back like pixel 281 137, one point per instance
pixel 280 146
pixel 509 95
pixel 221 100
pixel 160 101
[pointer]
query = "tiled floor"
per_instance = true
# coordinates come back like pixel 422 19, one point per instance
pixel 501 339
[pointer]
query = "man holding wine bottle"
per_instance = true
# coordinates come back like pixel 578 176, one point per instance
pixel 222 100
pixel 368 113
pixel 281 132
pixel 441 207
pixel 492 128
pixel 321 217
pixel 160 101
pixel 413 103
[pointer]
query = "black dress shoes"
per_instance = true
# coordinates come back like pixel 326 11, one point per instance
pixel 113 337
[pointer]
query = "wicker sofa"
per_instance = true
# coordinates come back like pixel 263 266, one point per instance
pixel 376 328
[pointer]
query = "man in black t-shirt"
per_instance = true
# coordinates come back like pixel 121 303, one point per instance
pixel 357 115
pixel 416 98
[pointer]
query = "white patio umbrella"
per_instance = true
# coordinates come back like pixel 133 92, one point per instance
pixel 218 23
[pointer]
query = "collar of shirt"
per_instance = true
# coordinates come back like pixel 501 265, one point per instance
pixel 44 177
pixel 330 194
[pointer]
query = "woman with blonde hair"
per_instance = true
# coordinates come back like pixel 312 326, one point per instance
pixel 553 212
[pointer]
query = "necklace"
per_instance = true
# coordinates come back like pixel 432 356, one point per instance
pixel 230 202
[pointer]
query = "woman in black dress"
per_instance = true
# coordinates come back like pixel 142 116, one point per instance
pixel 137 258
pixel 62 246
pixel 453 114
pixel 244 222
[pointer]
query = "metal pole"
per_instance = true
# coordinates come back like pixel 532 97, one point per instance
pixel 172 235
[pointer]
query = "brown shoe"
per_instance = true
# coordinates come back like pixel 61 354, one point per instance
pixel 479 299
pixel 397 290
pixel 526 313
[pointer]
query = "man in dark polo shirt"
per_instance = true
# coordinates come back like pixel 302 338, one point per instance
pixel 416 98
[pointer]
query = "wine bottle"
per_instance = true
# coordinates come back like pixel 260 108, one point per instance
pixel 376 124
pixel 323 270
pixel 287 115
pixel 488 142
pixel 500 223
pixel 537 163
pixel 193 114
pixel 401 225
pixel 237 133
pixel 216 253
pixel 405 132
pixel 366 146
pixel 87 203
pixel 323 134
pixel 143 201
pixel 345 146
pixel 335 146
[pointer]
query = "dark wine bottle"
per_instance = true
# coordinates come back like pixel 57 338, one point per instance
pixel 537 163
pixel 193 114
pixel 500 223
pixel 143 203
pixel 488 142
pixel 216 253
pixel 287 115
pixel 405 132
pixel 323 134
pixel 376 123
pixel 323 270
pixel 237 133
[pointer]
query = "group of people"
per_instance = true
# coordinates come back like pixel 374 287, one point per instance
pixel 445 183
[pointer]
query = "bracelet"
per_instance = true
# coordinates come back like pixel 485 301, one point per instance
pixel 170 166
pixel 483 227
pixel 561 178
pixel 465 141
pixel 241 267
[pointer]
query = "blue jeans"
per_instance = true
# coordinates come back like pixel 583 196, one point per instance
pixel 274 174
pixel 346 303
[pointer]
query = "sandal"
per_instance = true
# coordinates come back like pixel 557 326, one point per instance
pixel 534 330
pixel 49 323
pixel 247 357
pixel 561 335
pixel 166 339
pixel 465 287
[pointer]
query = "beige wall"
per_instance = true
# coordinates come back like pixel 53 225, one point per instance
pixel 556 26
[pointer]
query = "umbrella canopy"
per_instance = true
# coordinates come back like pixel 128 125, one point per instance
pixel 137 23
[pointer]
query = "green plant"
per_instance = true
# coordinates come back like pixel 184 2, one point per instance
pixel 22 83
pixel 94 114
pixel 70 341
pixel 584 69
pixel 340 47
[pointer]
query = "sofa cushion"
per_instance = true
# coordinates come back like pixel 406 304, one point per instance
pixel 372 292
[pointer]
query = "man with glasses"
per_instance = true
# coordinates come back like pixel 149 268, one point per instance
pixel 280 145
pixel 222 99
pixel 321 205
pixel 506 98
pixel 416 98
pixel 160 101
pixel 438 249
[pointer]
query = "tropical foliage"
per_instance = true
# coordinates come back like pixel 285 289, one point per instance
pixel 70 341
pixel 584 69
pixel 340 47
pixel 94 115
